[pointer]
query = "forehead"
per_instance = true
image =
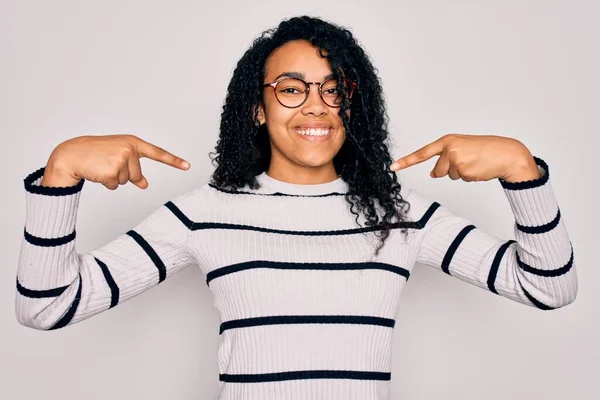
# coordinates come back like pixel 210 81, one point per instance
pixel 297 56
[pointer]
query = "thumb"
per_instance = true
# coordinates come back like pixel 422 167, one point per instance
pixel 441 168
pixel 142 183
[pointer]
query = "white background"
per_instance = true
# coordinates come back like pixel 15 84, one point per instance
pixel 525 69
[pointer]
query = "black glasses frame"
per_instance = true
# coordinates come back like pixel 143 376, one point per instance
pixel 351 84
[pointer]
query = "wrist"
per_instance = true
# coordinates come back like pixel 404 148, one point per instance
pixel 524 169
pixel 57 173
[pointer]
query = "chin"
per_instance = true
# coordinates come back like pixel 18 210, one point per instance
pixel 314 162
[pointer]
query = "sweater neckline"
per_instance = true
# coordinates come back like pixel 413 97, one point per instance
pixel 272 185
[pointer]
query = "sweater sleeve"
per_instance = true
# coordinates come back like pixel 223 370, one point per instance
pixel 57 287
pixel 535 268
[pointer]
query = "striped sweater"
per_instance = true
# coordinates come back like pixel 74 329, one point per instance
pixel 307 310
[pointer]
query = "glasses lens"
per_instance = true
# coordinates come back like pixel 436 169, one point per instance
pixel 331 96
pixel 291 92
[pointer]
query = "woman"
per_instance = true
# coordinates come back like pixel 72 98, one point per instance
pixel 304 233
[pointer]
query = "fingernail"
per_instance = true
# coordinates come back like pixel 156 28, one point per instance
pixel 185 164
pixel 395 166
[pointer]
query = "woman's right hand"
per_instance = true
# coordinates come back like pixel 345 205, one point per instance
pixel 111 160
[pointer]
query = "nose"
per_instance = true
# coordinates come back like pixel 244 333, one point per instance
pixel 314 103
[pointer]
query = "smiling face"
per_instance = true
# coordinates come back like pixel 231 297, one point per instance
pixel 305 139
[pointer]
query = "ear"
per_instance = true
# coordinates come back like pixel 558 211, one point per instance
pixel 261 113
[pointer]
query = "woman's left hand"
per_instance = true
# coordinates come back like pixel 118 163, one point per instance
pixel 475 158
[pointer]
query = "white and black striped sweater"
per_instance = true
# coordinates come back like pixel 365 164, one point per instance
pixel 307 310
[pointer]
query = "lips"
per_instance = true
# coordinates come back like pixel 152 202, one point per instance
pixel 316 125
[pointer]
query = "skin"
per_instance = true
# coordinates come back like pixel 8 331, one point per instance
pixel 111 160
pixel 294 158
pixel 475 158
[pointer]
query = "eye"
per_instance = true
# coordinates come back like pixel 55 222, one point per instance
pixel 290 90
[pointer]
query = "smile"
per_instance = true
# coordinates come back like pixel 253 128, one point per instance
pixel 314 134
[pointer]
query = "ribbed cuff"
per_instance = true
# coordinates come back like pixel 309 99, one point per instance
pixel 542 167
pixel 51 211
pixel 33 185
pixel 533 202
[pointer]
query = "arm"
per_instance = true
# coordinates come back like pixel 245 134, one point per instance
pixel 536 268
pixel 57 287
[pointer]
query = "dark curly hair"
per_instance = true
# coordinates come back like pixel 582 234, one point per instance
pixel 243 150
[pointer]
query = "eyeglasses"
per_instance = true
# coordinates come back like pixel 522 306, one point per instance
pixel 293 92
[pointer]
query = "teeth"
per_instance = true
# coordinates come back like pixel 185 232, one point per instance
pixel 314 132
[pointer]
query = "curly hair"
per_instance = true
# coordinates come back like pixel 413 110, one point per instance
pixel 243 150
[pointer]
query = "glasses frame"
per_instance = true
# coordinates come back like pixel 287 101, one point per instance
pixel 273 85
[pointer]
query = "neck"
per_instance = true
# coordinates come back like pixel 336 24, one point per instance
pixel 300 174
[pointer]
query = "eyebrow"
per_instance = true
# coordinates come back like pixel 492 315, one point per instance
pixel 300 75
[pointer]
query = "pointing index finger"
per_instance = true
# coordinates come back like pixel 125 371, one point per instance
pixel 419 156
pixel 159 154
